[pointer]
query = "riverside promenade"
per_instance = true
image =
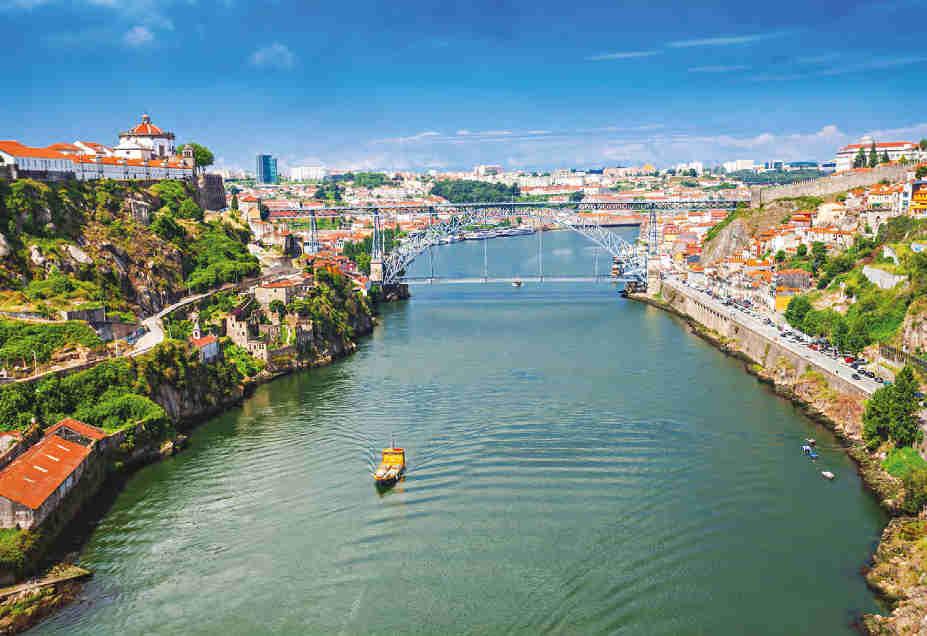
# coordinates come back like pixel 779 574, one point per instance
pixel 759 341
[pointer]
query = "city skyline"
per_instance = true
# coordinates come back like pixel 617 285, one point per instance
pixel 451 87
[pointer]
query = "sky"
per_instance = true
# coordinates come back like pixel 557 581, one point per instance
pixel 448 85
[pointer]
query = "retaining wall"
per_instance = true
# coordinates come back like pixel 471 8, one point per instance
pixel 755 345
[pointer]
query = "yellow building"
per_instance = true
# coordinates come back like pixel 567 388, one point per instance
pixel 918 205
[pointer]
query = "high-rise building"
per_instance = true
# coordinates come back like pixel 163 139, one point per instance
pixel 266 169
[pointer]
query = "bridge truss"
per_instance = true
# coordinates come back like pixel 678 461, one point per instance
pixel 389 268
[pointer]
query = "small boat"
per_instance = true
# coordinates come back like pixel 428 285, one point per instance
pixel 811 441
pixel 826 474
pixel 516 283
pixel 392 466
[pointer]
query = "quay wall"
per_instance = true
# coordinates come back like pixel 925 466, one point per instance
pixel 825 185
pixel 755 345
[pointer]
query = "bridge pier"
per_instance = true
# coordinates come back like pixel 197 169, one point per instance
pixel 393 292
pixel 376 271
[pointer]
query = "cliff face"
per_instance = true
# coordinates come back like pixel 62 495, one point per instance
pixel 731 240
pixel 64 245
pixel 914 327
pixel 899 574
pixel 750 221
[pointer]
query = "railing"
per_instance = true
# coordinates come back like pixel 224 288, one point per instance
pixel 902 357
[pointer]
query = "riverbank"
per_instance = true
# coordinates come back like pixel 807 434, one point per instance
pixel 899 566
pixel 188 400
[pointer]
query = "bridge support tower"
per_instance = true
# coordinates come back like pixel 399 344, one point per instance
pixel 376 251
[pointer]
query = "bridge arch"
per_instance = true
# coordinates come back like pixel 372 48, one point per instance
pixel 388 268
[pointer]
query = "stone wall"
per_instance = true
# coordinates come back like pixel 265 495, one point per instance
pixel 826 185
pixel 210 192
pixel 755 345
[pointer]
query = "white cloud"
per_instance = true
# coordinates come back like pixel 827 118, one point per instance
pixel 727 40
pixel 624 55
pixel 138 36
pixel 844 69
pixel 273 56
pixel 720 68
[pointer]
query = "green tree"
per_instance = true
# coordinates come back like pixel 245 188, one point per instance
pixel 873 156
pixel 796 311
pixel 190 210
pixel 891 413
pixel 278 307
pixel 576 197
pixel 801 251
pixel 859 161
pixel 780 256
pixel 905 429
pixel 877 418
pixel 923 144
pixel 884 158
pixel 818 256
pixel 201 154
pixel 234 204
pixel 921 172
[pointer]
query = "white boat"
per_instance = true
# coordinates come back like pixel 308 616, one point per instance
pixel 516 283
pixel 826 474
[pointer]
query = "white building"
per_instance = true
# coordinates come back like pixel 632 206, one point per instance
pixel 145 141
pixel 145 153
pixel 895 150
pixel 308 173
pixel 698 166
pixel 487 170
pixel 738 164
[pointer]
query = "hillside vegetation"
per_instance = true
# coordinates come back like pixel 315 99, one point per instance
pixel 130 247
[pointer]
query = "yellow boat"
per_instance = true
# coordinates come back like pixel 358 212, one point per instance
pixel 392 467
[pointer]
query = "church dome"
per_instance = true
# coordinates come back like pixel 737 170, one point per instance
pixel 146 128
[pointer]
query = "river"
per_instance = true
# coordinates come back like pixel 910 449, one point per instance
pixel 578 463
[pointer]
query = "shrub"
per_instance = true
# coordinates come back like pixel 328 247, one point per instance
pixel 901 461
pixel 915 490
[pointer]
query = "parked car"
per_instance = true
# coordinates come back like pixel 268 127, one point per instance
pixel 856 376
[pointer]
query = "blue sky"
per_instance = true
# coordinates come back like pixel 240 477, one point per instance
pixel 397 85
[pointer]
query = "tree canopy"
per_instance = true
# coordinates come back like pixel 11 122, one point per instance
pixel 891 413
pixel 468 191
pixel 201 154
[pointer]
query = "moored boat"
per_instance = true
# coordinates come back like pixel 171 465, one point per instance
pixel 516 283
pixel 392 466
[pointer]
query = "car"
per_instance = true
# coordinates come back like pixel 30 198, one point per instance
pixel 856 376
pixel 849 359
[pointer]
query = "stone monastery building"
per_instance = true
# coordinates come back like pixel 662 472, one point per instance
pixel 145 152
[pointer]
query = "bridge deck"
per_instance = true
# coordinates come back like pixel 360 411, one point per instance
pixel 441 280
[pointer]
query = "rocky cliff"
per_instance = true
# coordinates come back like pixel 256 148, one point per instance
pixel 68 244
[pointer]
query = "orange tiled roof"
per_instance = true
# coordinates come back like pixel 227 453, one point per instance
pixel 199 343
pixel 36 474
pixel 16 149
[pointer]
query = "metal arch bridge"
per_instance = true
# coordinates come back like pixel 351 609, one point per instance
pixel 389 268
pixel 633 205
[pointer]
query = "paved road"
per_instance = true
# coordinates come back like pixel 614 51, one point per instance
pixel 837 367
pixel 155 326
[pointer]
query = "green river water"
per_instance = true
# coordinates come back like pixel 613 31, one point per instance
pixel 578 464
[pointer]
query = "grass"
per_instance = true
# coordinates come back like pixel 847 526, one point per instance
pixel 15 544
pixel 19 339
pixel 901 461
